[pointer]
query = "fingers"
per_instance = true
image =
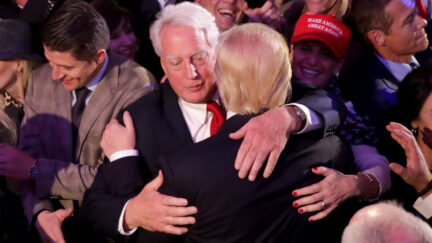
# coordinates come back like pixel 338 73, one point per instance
pixel 127 119
pixel 243 150
pixel 170 229
pixel 308 190
pixel 238 134
pixel 64 213
pixel 155 183
pixel 322 214
pixel 398 169
pixel 173 201
pixel 271 163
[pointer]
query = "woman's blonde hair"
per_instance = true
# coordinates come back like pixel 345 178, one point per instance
pixel 28 67
pixel 252 68
pixel 338 9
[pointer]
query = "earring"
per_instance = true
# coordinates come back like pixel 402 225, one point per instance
pixel 414 131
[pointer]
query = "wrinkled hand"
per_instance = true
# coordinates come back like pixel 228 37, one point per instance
pixel 334 189
pixel 264 136
pixel 49 224
pixel 157 212
pixel 269 14
pixel 15 163
pixel 416 172
pixel 117 137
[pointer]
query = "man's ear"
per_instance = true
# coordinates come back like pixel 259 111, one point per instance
pixel 100 56
pixel 377 37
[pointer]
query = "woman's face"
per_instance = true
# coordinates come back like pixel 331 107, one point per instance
pixel 123 40
pixel 314 63
pixel 319 6
pixel 424 123
pixel 8 75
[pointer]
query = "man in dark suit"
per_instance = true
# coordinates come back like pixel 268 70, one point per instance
pixel 396 33
pixel 234 210
pixel 172 117
pixel 68 103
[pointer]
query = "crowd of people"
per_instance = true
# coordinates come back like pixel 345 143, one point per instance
pixel 215 121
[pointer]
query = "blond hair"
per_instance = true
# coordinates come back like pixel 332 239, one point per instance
pixel 338 9
pixel 252 68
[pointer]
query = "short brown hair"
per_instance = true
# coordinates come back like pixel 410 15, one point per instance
pixel 369 15
pixel 76 28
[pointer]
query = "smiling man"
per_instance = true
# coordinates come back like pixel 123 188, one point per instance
pixel 67 105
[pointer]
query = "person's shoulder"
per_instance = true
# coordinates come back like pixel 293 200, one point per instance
pixel 129 72
pixel 43 71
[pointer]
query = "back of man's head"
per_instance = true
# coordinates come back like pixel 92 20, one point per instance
pixel 76 28
pixel 386 222
pixel 184 14
pixel 253 69
pixel 370 14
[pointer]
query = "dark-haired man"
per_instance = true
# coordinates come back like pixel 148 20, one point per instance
pixel 396 33
pixel 68 103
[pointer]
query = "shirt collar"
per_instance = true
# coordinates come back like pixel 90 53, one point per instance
pixel 399 70
pixel 200 110
pixel 92 85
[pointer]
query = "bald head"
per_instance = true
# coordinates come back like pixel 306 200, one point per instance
pixel 386 222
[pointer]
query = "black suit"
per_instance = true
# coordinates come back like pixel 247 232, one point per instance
pixel 235 210
pixel 372 87
pixel 160 129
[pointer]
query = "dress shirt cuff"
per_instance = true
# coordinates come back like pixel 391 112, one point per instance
pixel 424 206
pixel 120 223
pixel 123 153
pixel 312 119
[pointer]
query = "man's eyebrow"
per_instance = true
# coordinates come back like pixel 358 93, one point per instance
pixel 410 17
pixel 172 57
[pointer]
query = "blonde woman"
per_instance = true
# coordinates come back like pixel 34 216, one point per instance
pixel 17 60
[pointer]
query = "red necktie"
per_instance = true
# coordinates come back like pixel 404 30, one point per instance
pixel 218 117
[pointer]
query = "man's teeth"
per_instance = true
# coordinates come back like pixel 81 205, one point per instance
pixel 226 12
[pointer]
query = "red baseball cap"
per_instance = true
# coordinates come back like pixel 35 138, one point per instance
pixel 324 28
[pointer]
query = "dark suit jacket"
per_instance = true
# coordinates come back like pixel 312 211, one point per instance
pixel 235 210
pixel 160 129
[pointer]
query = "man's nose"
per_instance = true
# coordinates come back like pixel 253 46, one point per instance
pixel 56 73
pixel 191 71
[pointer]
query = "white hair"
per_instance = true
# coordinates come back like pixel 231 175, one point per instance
pixel 184 14
pixel 395 225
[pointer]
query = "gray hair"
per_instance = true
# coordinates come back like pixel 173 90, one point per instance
pixel 390 226
pixel 184 14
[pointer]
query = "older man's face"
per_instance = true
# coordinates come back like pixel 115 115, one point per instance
pixel 227 13
pixel 406 35
pixel 188 61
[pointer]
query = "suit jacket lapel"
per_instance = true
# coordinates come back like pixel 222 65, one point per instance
pixel 173 112
pixel 98 101
pixel 386 75
pixel 64 109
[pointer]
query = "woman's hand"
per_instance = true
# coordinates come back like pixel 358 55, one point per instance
pixel 323 197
